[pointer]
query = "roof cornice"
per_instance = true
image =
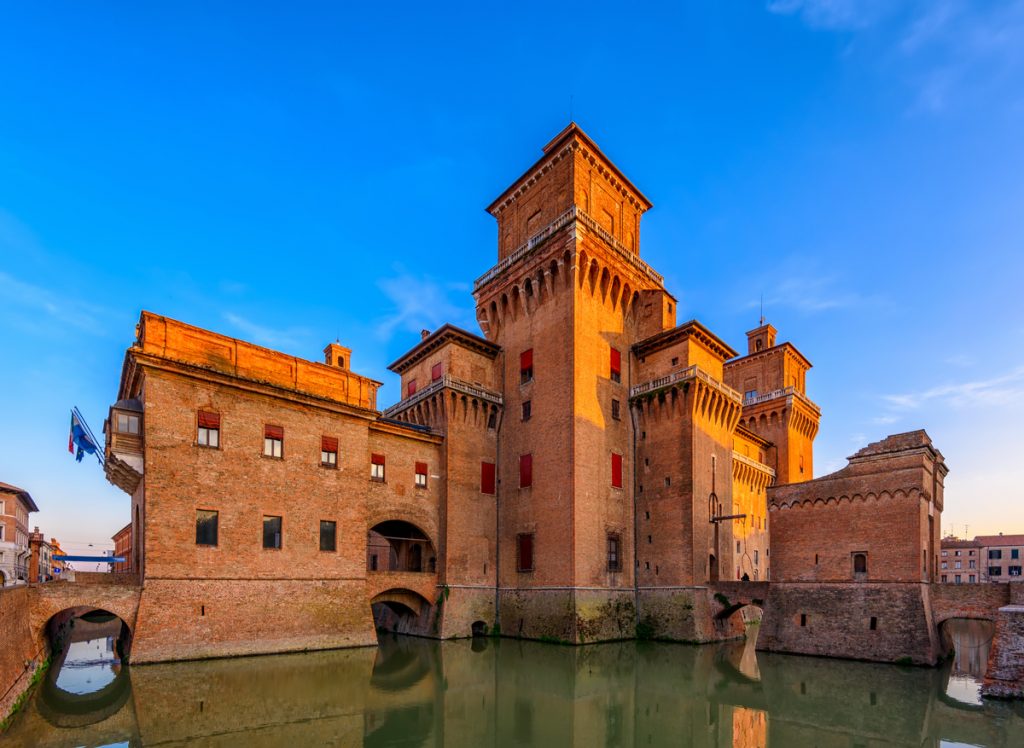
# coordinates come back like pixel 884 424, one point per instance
pixel 691 329
pixel 445 334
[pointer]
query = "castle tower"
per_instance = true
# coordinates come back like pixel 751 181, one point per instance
pixel 566 301
pixel 773 380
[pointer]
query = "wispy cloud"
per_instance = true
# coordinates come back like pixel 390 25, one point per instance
pixel 885 420
pixel 25 303
pixel 834 14
pixel 810 294
pixel 1006 389
pixel 291 338
pixel 419 303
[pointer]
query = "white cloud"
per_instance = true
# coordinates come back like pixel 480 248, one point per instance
pixel 810 295
pixel 26 302
pixel 292 338
pixel 1007 389
pixel 419 303
pixel 837 15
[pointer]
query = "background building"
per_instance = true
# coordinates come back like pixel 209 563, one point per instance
pixel 986 558
pixel 961 561
pixel 15 506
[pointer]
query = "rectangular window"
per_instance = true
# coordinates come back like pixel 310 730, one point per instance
pixel 410 389
pixel 756 552
pixel 271 531
pixel 3 509
pixel 956 579
pixel 524 552
pixel 127 423
pixel 525 471
pixel 615 410
pixel 956 553
pixel 995 554
pixel 487 478
pixel 329 451
pixel 958 564
pixel 206 527
pixel 972 564
pixel 526 366
pixel 421 475
pixel 209 429
pixel 615 365
pixel 1015 553
pixel 970 578
pixel 1013 571
pixel 527 410
pixel 616 470
pixel 944 578
pixel 614 553
pixel 328 535
pixel 995 571
pixel 377 467
pixel 273 441
pixel 945 553
pixel 945 564
pixel 436 371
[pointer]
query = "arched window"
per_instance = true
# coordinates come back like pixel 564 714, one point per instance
pixel 860 563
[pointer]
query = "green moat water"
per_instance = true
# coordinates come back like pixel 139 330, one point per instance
pixel 487 692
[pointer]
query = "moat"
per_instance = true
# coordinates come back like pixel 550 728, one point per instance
pixel 419 692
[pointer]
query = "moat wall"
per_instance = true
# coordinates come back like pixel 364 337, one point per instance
pixel 21 653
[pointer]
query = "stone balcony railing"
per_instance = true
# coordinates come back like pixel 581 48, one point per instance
pixel 573 214
pixel 450 382
pixel 681 375
pixel 781 392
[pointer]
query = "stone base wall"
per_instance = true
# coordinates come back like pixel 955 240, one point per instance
pixel 18 646
pixel 576 616
pixel 684 614
pixel 186 620
pixel 463 607
pixel 834 620
pixel 1005 676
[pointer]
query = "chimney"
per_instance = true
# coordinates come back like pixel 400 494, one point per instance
pixel 424 334
pixel 338 355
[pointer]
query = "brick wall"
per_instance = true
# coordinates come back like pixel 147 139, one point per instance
pixel 18 645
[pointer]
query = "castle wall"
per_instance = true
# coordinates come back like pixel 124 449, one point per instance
pixel 20 646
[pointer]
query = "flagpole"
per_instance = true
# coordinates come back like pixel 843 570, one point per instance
pixel 100 449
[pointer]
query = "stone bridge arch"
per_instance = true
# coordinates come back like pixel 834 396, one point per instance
pixel 58 602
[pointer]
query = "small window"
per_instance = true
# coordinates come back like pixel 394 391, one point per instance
pixel 860 563
pixel 756 559
pixel 675 361
pixel 995 554
pixel 421 475
pixel 273 441
pixel 971 578
pixel 1013 571
pixel 1015 553
pixel 873 623
pixel 526 366
pixel 615 365
pixel 328 535
pixel 614 553
pixel 127 423
pixel 957 579
pixel 524 552
pixel 803 619
pixel 410 389
pixel 668 481
pixel 206 527
pixel 527 410
pixel 995 571
pixel 956 553
pixel 615 410
pixel 436 371
pixel 208 434
pixel 616 470
pixel 945 553
pixel 750 394
pixel 525 471
pixel 377 467
pixel 329 451
pixel 271 531
pixel 487 478
pixel 945 578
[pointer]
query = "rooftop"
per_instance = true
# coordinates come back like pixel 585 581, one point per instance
pixel 21 493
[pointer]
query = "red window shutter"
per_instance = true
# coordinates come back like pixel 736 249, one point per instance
pixel 526 360
pixel 377 459
pixel 526 552
pixel 421 468
pixel 328 444
pixel 487 477
pixel 525 471
pixel 436 371
pixel 616 470
pixel 410 389
pixel 209 420
pixel 273 432
pixel 616 362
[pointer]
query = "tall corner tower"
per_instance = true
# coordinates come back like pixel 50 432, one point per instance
pixel 567 299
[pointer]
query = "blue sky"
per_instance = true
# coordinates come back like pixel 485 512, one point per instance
pixel 289 176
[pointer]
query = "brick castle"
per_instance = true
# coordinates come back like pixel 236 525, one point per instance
pixel 584 470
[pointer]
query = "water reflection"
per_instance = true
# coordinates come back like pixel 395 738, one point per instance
pixel 417 692
pixel 970 641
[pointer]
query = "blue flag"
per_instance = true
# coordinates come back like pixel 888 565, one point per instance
pixel 80 438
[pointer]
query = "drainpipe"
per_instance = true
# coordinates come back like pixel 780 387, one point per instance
pixel 497 497
pixel 636 517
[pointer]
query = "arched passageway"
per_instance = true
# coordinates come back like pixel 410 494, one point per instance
pixel 402 611
pixel 396 545
pixel 969 640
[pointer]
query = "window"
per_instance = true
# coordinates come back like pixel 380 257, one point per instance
pixel 972 564
pixel 995 571
pixel 969 553
pixel 526 366
pixel 614 555
pixel 615 410
pixel 956 553
pixel 209 429
pixel 750 394
pixel 329 451
pixel 436 371
pixel 957 564
pixel 945 553
pixel 525 471
pixel 945 564
pixel 487 478
pixel 206 527
pixel 956 579
pixel 873 624
pixel 421 475
pixel 3 507
pixel 970 578
pixel 273 441
pixel 527 410
pixel 524 552
pixel 377 467
pixel 1013 571
pixel 944 578
pixel 995 554
pixel 1015 553
pixel 615 365
pixel 127 423
pixel 410 389
pixel 2 528
pixel 860 563
pixel 328 535
pixel 271 532
pixel 756 553
pixel 616 470
pixel 675 361
pixel 803 619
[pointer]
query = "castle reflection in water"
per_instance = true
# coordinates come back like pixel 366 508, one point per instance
pixel 487 692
